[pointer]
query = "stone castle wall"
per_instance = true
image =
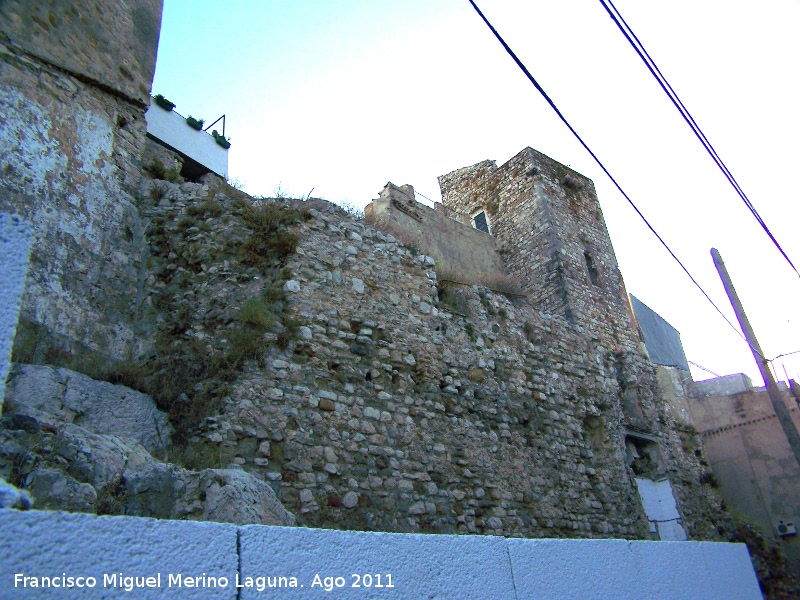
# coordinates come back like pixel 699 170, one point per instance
pixel 466 254
pixel 389 412
pixel 75 83
pixel 548 222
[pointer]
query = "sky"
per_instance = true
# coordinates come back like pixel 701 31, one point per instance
pixel 334 98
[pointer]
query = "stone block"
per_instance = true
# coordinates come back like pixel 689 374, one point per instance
pixel 618 568
pixel 99 406
pixel 421 566
pixel 37 544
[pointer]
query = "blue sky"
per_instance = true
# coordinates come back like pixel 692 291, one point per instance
pixel 343 96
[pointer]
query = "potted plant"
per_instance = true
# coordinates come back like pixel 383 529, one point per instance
pixel 163 102
pixel 220 139
pixel 194 123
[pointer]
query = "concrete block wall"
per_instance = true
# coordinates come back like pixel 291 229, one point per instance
pixel 15 243
pixel 184 559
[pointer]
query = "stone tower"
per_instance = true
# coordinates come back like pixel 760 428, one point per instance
pixel 548 224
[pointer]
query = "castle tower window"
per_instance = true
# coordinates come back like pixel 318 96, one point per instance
pixel 481 221
pixel 594 275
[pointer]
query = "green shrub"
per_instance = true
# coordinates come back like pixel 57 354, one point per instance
pixel 451 298
pixel 127 373
pixel 270 241
pixel 274 293
pixel 470 331
pixel 288 334
pixel 157 170
pixel 195 123
pixel 530 331
pixel 284 243
pixel 184 224
pixel 245 343
pixel 158 192
pixel 206 209
pixel 255 312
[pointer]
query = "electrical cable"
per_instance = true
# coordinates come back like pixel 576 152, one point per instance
pixel 424 196
pixel 535 83
pixel 673 96
pixel 703 368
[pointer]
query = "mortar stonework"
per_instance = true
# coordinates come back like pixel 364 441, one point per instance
pixel 389 412
pixel 548 220
pixel 386 409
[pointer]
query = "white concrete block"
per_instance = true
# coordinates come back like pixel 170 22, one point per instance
pixel 15 243
pixel 320 562
pixel 420 566
pixel 611 569
pixel 47 544
pixel 732 569
pixel 670 570
pixel 561 569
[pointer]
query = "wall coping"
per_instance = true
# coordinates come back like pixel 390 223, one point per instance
pixel 190 559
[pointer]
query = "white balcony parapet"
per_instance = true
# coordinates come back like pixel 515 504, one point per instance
pixel 170 128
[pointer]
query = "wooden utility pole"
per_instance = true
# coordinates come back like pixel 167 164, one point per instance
pixel 784 418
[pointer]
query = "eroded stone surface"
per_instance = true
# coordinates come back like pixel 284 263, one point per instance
pixel 66 467
pixel 97 406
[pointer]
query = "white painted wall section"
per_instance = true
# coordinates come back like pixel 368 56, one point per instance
pixel 171 128
pixel 15 243
pixel 329 564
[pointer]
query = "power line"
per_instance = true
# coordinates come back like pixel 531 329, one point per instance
pixel 535 83
pixel 662 81
pixel 424 196
pixel 703 368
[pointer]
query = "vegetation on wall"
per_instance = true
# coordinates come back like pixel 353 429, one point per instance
pixel 157 170
pixel 189 375
pixel 498 282
pixel 270 241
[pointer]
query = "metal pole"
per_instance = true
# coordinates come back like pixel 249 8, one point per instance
pixel 784 418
